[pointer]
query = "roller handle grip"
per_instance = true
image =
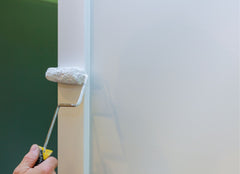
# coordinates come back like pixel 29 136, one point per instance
pixel 40 158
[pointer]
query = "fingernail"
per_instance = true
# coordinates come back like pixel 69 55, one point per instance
pixel 34 148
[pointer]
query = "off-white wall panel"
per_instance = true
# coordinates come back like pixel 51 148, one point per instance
pixel 165 97
pixel 72 46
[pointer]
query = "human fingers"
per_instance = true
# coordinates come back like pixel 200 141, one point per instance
pixel 48 166
pixel 29 160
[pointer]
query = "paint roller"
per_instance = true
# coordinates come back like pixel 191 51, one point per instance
pixel 64 75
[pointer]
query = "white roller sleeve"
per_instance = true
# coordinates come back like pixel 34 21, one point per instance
pixel 66 75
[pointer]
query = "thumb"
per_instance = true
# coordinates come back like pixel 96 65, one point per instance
pixel 31 157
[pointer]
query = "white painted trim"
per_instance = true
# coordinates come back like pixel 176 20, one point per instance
pixel 73 50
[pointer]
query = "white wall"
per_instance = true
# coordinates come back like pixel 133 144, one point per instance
pixel 165 97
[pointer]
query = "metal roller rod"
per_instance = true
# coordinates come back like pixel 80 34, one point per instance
pixel 51 128
pixel 56 114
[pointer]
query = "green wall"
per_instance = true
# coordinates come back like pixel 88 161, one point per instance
pixel 28 45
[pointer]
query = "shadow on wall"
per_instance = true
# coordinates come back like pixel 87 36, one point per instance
pixel 28 45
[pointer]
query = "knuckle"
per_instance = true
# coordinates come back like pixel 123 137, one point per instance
pixel 29 157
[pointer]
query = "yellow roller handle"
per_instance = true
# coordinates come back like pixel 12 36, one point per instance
pixel 43 155
pixel 47 152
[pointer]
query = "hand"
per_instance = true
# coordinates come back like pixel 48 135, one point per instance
pixel 27 165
